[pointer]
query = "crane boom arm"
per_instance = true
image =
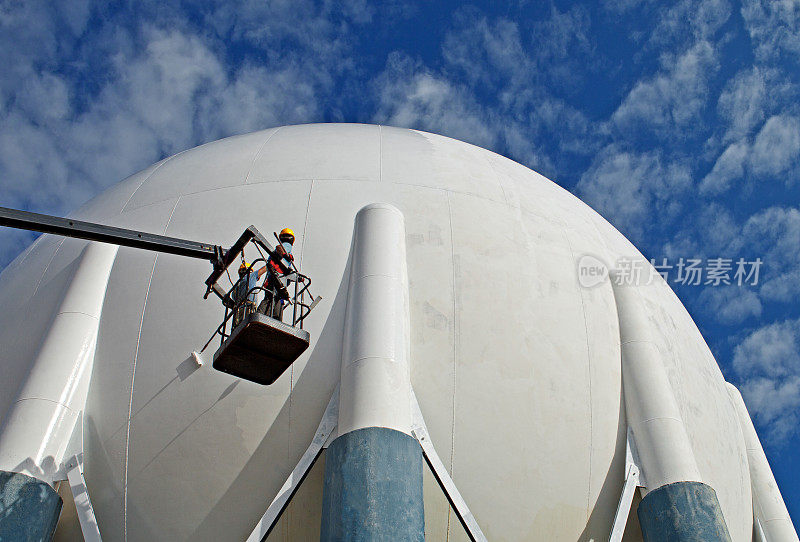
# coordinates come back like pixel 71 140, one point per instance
pixel 68 227
pixel 219 257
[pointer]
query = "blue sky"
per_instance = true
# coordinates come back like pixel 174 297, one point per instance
pixel 679 122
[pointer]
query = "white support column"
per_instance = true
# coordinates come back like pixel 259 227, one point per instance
pixel 771 518
pixel 373 469
pixel 39 425
pixel 654 418
pixel 375 377
pixel 676 504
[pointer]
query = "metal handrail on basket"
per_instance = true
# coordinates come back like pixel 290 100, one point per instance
pixel 232 307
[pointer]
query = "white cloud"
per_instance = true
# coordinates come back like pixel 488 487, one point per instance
pixel 777 147
pixel 718 228
pixel 728 167
pixel 708 17
pixel 487 52
pixel 55 157
pixel 774 26
pixel 674 97
pixel 730 304
pixel 492 89
pixel 256 98
pixel 775 234
pixel 742 102
pixel 687 20
pixel 712 232
pixel 169 82
pixel 776 229
pixel 784 287
pixel 774 403
pixel 767 362
pixel 315 28
pixel 44 97
pixel 412 96
pixel 512 72
pixel 621 6
pixel 561 36
pixel 709 232
pixel 634 191
pixel 28 173
pixel 160 87
pixel 519 64
pixel 773 155
pixel 80 109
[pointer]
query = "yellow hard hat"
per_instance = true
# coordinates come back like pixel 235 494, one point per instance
pixel 287 232
pixel 243 268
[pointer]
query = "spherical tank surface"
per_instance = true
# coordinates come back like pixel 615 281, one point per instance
pixel 515 365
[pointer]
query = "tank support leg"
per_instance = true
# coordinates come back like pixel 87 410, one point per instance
pixel 29 507
pixel 324 431
pixel 83 504
pixel 632 482
pixel 373 469
pixel 770 517
pixel 449 488
pixel 676 505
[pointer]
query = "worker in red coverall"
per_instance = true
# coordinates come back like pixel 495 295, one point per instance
pixel 276 293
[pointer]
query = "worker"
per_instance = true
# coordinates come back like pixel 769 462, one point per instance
pixel 245 289
pixel 280 264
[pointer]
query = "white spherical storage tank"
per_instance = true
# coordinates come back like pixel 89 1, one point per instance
pixel 517 367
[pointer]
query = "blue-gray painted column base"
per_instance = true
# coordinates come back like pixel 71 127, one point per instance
pixel 373 488
pixel 682 512
pixel 29 508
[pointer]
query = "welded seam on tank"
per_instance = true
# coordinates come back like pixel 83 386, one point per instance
pixel 46 267
pixel 656 418
pixel 39 281
pixel 385 275
pixel 46 400
pixel 79 312
pixel 217 189
pixel 291 367
pixel 364 358
pixel 258 153
pixel 496 176
pixel 449 190
pixel 159 166
pixel 133 381
pixel 130 404
pixel 589 384
pixel 640 341
pixel 26 254
pixel 591 219
pixel 27 308
pixel 347 180
pixel 455 352
pixel 305 221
